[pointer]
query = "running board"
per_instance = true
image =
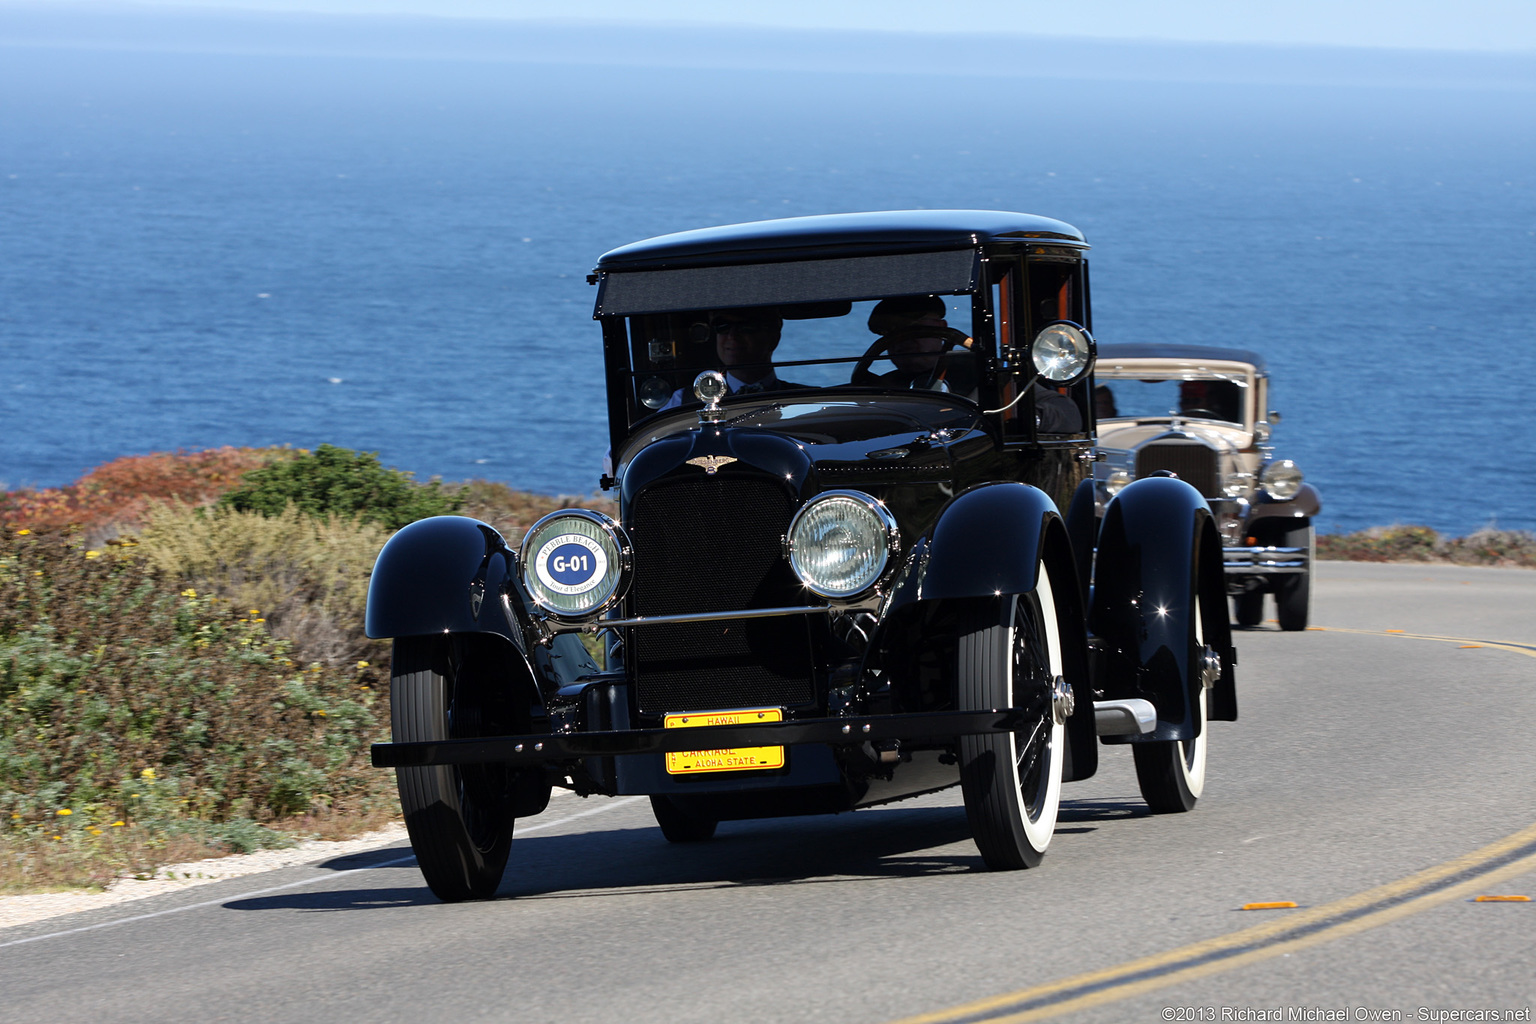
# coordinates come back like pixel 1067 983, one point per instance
pixel 1132 717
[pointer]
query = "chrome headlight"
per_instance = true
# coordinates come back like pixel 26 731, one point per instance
pixel 1062 353
pixel 575 563
pixel 840 543
pixel 1238 485
pixel 1281 480
pixel 1116 481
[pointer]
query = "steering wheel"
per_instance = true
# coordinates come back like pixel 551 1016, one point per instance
pixel 863 375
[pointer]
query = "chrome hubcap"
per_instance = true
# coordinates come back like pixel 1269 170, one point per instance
pixel 1063 700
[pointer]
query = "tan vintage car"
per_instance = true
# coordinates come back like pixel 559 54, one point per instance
pixel 1202 414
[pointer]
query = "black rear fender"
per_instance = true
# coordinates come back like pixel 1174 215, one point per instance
pixel 1156 541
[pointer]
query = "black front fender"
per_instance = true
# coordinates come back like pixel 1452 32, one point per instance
pixel 443 575
pixel 988 542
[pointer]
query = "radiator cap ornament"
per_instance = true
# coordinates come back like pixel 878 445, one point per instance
pixel 711 463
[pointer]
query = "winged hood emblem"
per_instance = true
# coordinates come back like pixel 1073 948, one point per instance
pixel 712 463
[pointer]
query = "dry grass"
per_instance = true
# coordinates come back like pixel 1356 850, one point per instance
pixel 1488 546
pixel 306 576
pixel 513 512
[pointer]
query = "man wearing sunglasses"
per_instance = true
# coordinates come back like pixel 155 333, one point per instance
pixel 744 342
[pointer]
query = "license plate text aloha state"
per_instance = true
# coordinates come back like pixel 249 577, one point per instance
pixel 735 759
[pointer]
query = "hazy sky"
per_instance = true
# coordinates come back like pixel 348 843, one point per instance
pixel 1508 25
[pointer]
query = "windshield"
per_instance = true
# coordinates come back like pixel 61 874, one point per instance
pixel 770 348
pixel 1187 394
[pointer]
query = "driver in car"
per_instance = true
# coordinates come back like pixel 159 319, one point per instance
pixel 915 354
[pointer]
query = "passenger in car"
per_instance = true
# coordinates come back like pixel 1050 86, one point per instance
pixel 744 342
pixel 1104 402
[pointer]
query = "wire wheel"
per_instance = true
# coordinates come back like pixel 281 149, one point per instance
pixel 1012 781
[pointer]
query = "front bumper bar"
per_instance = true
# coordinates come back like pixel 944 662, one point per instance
pixel 1261 561
pixel 536 750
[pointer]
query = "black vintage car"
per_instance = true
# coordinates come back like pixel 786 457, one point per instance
pixel 856 559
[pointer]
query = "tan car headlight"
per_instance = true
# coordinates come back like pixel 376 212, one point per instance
pixel 1281 480
pixel 1116 481
pixel 1238 485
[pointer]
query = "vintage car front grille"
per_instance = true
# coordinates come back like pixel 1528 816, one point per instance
pixel 1194 463
pixel 714 543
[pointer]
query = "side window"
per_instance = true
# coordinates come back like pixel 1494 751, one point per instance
pixel 1056 291
pixel 1017 410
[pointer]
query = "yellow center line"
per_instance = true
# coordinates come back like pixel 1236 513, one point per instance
pixel 1529 650
pixel 1455 879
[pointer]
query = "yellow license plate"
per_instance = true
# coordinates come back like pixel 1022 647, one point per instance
pixel 737 759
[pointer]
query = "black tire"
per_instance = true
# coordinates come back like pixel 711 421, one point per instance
pixel 1012 781
pixel 1293 598
pixel 1248 608
pixel 678 825
pixel 1171 773
pixel 459 819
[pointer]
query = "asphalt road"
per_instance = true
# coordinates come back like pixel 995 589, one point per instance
pixel 1379 780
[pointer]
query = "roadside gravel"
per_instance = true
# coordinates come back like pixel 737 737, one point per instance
pixel 15 910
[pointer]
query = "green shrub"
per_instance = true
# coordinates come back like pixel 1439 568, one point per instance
pixel 339 481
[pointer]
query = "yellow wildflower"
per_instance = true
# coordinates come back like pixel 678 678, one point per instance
pixel 254 611
pixel 93 554
pixel 22 533
pixel 189 592
pixel 320 713
pixel 362 664
pixel 64 810
pixel 147 773
pixel 117 824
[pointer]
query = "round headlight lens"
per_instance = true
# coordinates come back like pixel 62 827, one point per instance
pixel 575 563
pixel 1281 480
pixel 1238 485
pixel 1116 481
pixel 1062 352
pixel 840 542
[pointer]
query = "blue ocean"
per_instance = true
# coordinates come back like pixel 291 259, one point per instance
pixel 388 252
